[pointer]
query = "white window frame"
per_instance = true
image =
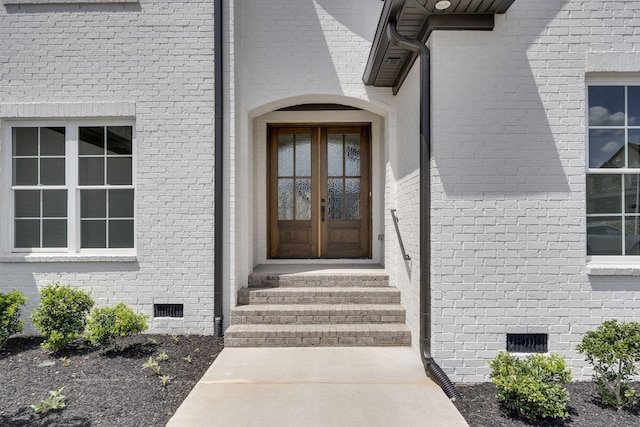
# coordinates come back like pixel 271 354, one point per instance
pixel 71 185
pixel 608 264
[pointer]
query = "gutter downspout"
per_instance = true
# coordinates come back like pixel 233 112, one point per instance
pixel 218 164
pixel 431 367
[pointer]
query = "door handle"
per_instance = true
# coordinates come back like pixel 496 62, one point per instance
pixel 322 213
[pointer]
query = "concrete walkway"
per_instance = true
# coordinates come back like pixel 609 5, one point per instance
pixel 321 386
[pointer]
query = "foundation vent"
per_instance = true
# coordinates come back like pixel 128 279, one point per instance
pixel 168 310
pixel 527 343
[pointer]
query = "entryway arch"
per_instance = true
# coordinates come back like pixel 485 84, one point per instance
pixel 319 116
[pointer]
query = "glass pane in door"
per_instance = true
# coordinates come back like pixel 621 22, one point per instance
pixel 335 147
pixel 285 155
pixel 303 155
pixel 344 170
pixel 352 155
pixel 335 189
pixel 303 198
pixel 352 198
pixel 294 176
pixel 285 198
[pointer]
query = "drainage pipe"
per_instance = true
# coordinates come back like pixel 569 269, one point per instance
pixel 218 188
pixel 433 370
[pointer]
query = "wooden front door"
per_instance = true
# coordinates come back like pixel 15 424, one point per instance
pixel 319 192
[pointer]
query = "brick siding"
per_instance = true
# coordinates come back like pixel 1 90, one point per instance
pixel 155 60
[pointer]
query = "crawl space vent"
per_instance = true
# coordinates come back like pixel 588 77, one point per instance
pixel 527 343
pixel 168 310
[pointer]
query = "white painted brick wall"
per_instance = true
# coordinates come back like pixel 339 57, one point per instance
pixel 508 152
pixel 158 56
pixel 292 48
pixel 509 181
pixel 290 52
pixel 406 196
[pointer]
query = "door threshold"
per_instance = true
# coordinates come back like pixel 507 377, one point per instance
pixel 307 267
pixel 320 261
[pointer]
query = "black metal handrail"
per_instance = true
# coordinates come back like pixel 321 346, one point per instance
pixel 395 223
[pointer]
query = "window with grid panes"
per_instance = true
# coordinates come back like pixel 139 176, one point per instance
pixel 72 187
pixel 613 174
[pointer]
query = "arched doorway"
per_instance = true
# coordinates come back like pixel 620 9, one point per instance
pixel 340 148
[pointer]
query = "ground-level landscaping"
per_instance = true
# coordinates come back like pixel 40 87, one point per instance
pixel 121 389
pixel 102 388
pixel 479 406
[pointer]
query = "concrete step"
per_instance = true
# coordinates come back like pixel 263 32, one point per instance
pixel 390 334
pixel 303 314
pixel 320 295
pixel 314 279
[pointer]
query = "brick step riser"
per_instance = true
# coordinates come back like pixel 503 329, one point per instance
pixel 317 282
pixel 291 299
pixel 315 319
pixel 319 296
pixel 324 310
pixel 319 341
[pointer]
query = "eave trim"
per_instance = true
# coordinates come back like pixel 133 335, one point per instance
pixel 392 12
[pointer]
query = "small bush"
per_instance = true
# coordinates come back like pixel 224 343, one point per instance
pixel 54 402
pixel 613 350
pixel 533 386
pixel 107 325
pixel 165 380
pixel 10 323
pixel 152 364
pixel 62 315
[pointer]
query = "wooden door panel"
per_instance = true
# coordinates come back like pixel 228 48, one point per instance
pixel 346 241
pixel 293 235
pixel 349 235
pixel 295 239
pixel 318 192
pixel 292 195
pixel 345 166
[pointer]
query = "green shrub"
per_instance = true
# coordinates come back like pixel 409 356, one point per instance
pixel 10 323
pixel 62 315
pixel 54 402
pixel 152 364
pixel 165 380
pixel 108 324
pixel 613 350
pixel 533 386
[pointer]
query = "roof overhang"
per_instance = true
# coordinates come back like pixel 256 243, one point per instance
pixel 388 65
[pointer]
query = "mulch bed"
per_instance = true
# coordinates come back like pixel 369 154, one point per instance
pixel 102 388
pixel 479 406
pixel 110 388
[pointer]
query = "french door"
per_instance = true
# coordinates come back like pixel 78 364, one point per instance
pixel 319 191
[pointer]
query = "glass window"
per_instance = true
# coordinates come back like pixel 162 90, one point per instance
pixel 106 161
pixel 44 209
pixel 613 177
pixel 105 216
pixel 39 193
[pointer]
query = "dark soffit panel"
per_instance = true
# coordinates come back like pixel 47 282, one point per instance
pixel 388 65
